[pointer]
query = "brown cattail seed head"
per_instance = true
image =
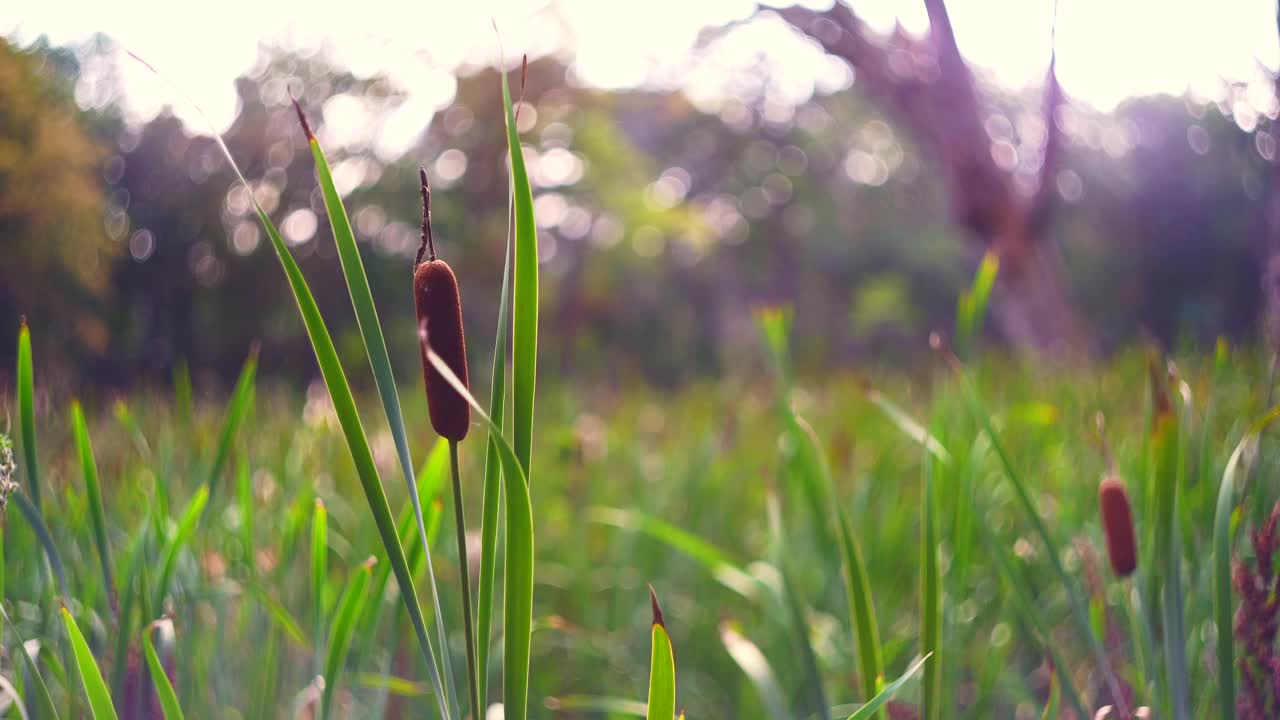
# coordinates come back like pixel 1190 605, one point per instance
pixel 435 293
pixel 1117 525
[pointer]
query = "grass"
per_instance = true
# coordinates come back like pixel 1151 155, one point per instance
pixel 690 505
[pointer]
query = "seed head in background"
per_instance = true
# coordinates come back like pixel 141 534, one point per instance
pixel 435 294
pixel 8 471
pixel 1117 526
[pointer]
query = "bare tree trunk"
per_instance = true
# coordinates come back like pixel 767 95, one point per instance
pixel 933 95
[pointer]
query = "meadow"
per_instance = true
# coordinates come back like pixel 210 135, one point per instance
pixel 692 492
pixel 821 543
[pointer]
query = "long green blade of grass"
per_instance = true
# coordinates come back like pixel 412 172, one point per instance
pixel 237 408
pixel 884 696
pixel 518 579
pixel 1079 607
pixel 164 689
pixel 1029 612
pixel 972 309
pixel 95 688
pixel 375 346
pixel 1165 439
pixel 349 420
pixel 716 563
pixel 756 667
pixel 89 470
pixel 349 611
pixel 26 413
pixel 43 700
pixel 1222 542
pixel 182 535
pixel 662 669
pixel 604 705
pixel 319 575
pixel 32 514
pixel 492 499
pixel 525 306
pixel 931 599
pixel 862 613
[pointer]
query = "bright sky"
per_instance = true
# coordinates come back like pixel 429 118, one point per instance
pixel 1107 50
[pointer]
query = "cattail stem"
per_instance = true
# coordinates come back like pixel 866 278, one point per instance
pixel 428 243
pixel 477 706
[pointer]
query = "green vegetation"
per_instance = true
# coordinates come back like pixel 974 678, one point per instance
pixel 674 490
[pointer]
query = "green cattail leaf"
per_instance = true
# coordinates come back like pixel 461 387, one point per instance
pixel 492 499
pixel 884 696
pixel 348 418
pixel 391 684
pixel 349 610
pixel 756 667
pixel 525 307
pixel 43 700
pixel 95 688
pixel 164 689
pixel 375 346
pixel 237 408
pixel 662 670
pixel 518 579
pixel 1165 446
pixel 27 414
pixel 182 535
pixel 89 470
pixel 908 425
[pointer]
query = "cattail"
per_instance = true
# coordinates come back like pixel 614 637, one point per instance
pixel 1117 525
pixel 435 293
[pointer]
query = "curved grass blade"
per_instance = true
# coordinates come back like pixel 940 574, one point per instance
pixel 32 514
pixel 492 499
pixel 1222 541
pixel 1079 607
pixel 279 615
pixel 862 614
pixel 349 610
pixel 375 346
pixel 237 408
pixel 1165 442
pixel 608 706
pixel 1026 608
pixel 95 688
pixel 931 606
pixel 27 414
pixel 711 558
pixel 867 711
pixel 518 580
pixel 44 701
pixel 89 470
pixel 164 689
pixel 181 536
pixel 908 425
pixel 756 667
pixel 972 308
pixel 348 418
pixel 662 669
pixel 390 684
pixel 525 307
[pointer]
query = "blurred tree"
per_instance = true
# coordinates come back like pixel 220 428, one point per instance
pixel 57 257
pixel 930 90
